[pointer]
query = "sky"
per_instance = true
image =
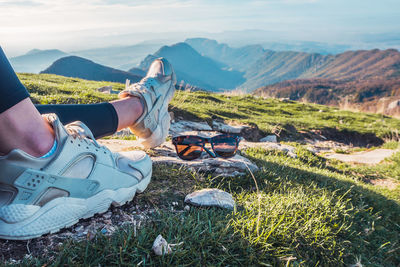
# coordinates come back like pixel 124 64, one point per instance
pixel 81 24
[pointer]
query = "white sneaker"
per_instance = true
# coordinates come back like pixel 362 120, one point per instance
pixel 43 195
pixel 155 91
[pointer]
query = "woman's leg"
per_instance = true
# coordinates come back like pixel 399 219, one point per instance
pixel 21 125
pixel 102 119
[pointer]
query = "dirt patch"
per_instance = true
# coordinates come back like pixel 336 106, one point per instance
pixel 364 157
pixel 388 183
pixel 352 138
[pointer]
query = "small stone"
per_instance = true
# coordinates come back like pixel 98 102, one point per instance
pixel 79 228
pixel 225 128
pixel 107 215
pixel 394 104
pixel 161 246
pixel 107 221
pixel 105 89
pixel 211 197
pixel 269 138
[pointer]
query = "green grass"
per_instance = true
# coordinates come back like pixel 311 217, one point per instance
pixel 307 211
pixel 270 115
pixel 303 210
pixel 54 89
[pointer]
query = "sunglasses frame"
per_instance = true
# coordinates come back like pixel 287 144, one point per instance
pixel 206 140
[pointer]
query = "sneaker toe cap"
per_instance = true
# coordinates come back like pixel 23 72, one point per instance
pixel 136 163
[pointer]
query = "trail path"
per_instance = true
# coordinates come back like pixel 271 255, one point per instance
pixel 364 157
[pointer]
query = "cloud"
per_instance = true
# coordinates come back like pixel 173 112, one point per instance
pixel 67 23
pixel 24 3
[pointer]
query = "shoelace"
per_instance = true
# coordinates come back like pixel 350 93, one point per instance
pixel 79 130
pixel 142 87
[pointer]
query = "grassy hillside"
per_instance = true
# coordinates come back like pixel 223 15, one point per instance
pixel 271 115
pixel 307 211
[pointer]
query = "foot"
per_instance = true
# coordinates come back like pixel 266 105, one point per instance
pixel 39 196
pixel 155 91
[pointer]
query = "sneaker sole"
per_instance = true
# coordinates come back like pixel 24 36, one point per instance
pixel 64 212
pixel 164 120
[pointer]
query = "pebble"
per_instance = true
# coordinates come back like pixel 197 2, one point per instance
pixel 211 197
pixel 161 246
pixel 269 138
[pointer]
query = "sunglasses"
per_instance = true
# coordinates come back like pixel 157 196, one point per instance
pixel 190 147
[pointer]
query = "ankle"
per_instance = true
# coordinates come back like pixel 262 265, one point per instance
pixel 42 142
pixel 129 110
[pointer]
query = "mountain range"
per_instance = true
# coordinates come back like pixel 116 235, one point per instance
pixel 352 79
pixel 265 67
pixel 377 95
pixel 194 69
pixel 36 60
pixel 73 66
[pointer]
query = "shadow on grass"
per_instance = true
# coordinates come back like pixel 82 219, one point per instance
pixel 184 114
pixel 374 231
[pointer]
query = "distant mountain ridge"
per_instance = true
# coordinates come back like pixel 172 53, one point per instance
pixel 377 95
pixel 119 57
pixel 36 60
pixel 265 67
pixel 73 66
pixel 237 58
pixel 193 68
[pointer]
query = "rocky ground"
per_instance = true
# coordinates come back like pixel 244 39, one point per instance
pixel 136 215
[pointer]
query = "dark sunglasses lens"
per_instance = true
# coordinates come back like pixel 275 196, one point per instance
pixel 224 146
pixel 188 147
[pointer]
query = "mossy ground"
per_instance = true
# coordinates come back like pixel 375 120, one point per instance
pixel 307 211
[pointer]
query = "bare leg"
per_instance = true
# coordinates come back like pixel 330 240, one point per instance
pixel 21 126
pixel 129 110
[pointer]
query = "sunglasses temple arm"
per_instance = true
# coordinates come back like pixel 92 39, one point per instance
pixel 210 152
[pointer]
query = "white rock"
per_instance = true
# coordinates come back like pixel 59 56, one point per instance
pixel 107 90
pixel 161 246
pixel 237 165
pixel 225 128
pixel 211 197
pixel 184 126
pixel 394 104
pixel 269 138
